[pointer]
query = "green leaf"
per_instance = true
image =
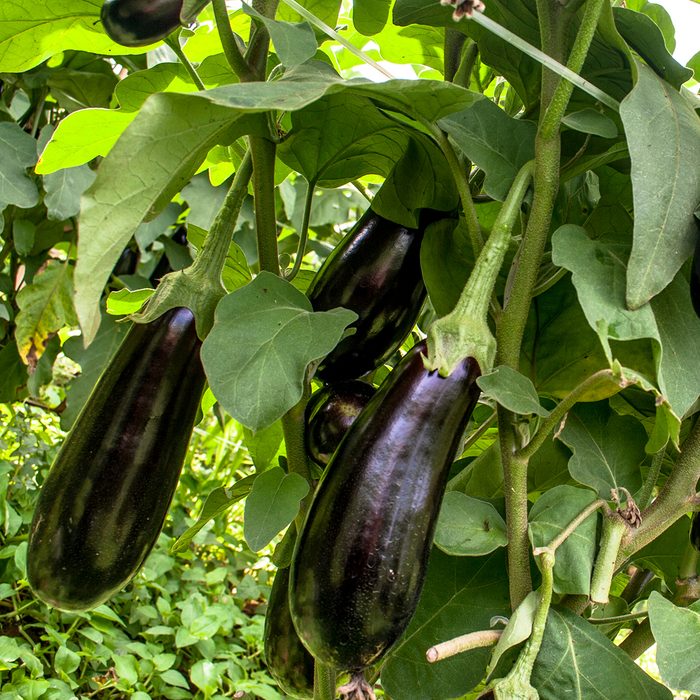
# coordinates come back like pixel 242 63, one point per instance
pixel 468 527
pixel 66 660
pixel 517 630
pixel 127 668
pixel 574 654
pixel 370 16
pixel 236 272
pixel 46 306
pixel 665 180
pixel 340 138
pixel 17 153
pixel 512 390
pixel 260 377
pixel 175 678
pixel 295 43
pixel 325 10
pixel 552 512
pixel 23 236
pixel 500 145
pixel 205 676
pixel 677 634
pixel 30 33
pixel 64 189
pixel 589 121
pixel 644 36
pixel 461 595
pixel 608 449
pixel 82 136
pixel 264 444
pixel 125 301
pixel 272 504
pixel 663 554
pixel 218 501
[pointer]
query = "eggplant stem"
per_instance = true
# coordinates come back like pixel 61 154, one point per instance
pixel 357 689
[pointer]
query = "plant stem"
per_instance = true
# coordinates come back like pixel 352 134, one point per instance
pixel 324 682
pixel 464 332
pixel 639 640
pixel 689 562
pixel 568 530
pixel 464 72
pixel 640 579
pixel 229 44
pixel 600 379
pixel 174 44
pixel 263 152
pixel 652 477
pixel 459 175
pixel 454 41
pixel 304 233
pixel 614 527
pixel 465 642
pixel 259 43
pixel 676 498
pixel 617 620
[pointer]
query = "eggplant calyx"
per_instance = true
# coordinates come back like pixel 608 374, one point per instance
pixel 357 689
pixel 453 339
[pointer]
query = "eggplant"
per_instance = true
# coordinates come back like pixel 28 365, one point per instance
pixel 375 272
pixel 140 22
pixel 330 413
pixel 104 501
pixel 287 659
pixel 695 532
pixel 361 558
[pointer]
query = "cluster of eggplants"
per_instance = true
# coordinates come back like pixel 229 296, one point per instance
pixel 143 22
pixel 106 496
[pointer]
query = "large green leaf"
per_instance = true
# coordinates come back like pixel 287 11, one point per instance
pixel 663 554
pixel 512 390
pixel 497 143
pixel 64 189
pixel 608 448
pixel 31 32
pixel 271 505
pixel 17 153
pixel 461 595
pixel 370 16
pixel 552 512
pixel 264 337
pixel 677 634
pixel 576 656
pixel 666 183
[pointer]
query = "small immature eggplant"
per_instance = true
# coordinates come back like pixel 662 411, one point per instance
pixel 140 22
pixel 330 413
pixel 695 532
pixel 360 561
pixel 695 277
pixel 375 272
pixel 287 660
pixel 106 496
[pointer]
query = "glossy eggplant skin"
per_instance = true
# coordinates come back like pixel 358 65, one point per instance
pixel 695 275
pixel 360 562
pixel 287 659
pixel 330 413
pixel 106 496
pixel 375 272
pixel 695 532
pixel 140 22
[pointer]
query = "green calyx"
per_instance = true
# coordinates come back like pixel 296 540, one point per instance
pixel 465 332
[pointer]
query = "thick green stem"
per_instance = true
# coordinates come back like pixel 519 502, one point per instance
pixel 638 641
pixel 259 44
pixel 517 683
pixel 569 529
pixel 459 175
pixel 465 332
pixel 601 379
pixel 464 72
pixel 263 152
pixel 324 682
pixel 614 527
pixel 174 44
pixel 689 562
pixel 304 233
pixel 677 497
pixel 199 286
pixel 229 44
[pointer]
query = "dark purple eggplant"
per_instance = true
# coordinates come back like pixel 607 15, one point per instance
pixel 375 272
pixel 287 659
pixel 330 413
pixel 361 558
pixel 140 22
pixel 106 496
pixel 695 532
pixel 695 275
